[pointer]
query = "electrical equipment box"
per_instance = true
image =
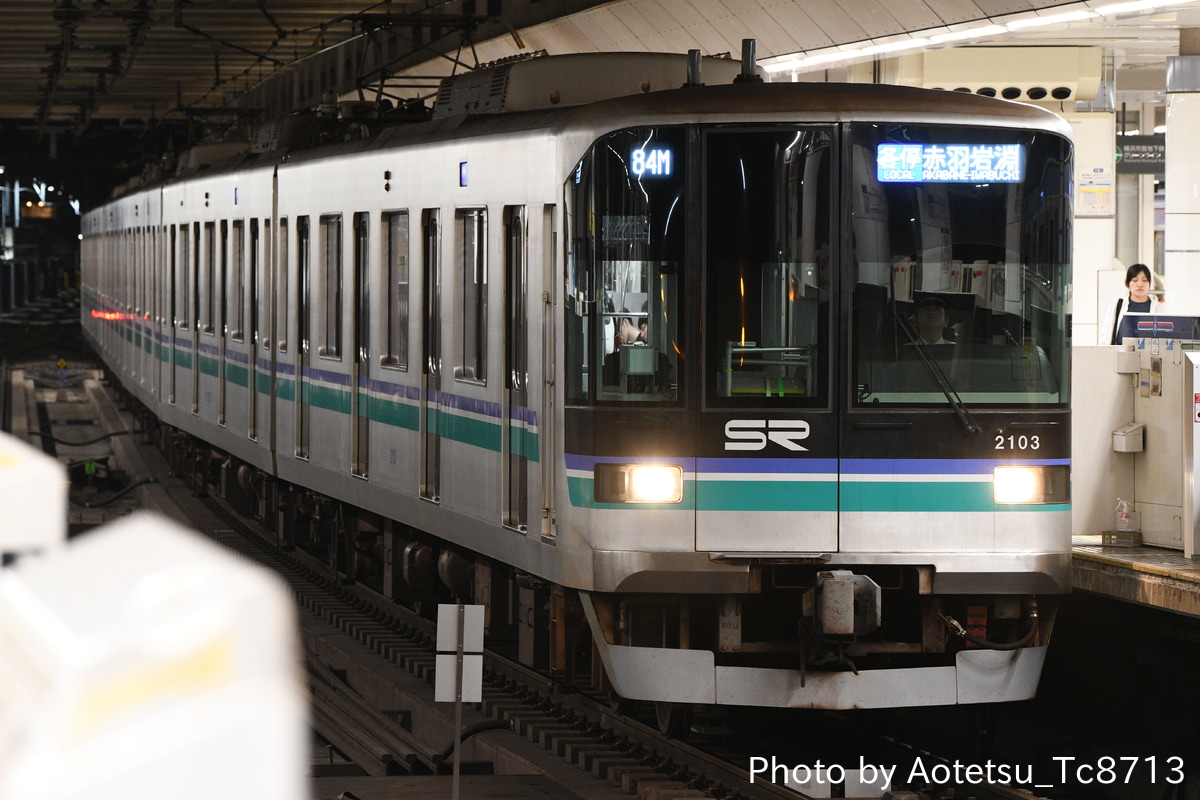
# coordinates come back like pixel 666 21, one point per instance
pixel 1129 438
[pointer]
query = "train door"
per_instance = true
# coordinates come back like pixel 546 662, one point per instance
pixel 154 310
pixel 431 358
pixel 194 314
pixel 256 262
pixel 279 330
pixel 227 323
pixel 546 448
pixel 515 436
pixel 360 441
pixel 142 311
pixel 137 371
pixel 768 433
pixel 149 318
pixel 172 319
pixel 303 326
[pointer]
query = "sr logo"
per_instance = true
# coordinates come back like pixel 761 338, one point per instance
pixel 753 434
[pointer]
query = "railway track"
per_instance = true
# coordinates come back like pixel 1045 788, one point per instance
pixel 356 638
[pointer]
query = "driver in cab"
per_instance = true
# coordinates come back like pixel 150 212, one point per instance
pixel 930 321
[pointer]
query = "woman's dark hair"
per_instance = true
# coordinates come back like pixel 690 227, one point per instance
pixel 1133 270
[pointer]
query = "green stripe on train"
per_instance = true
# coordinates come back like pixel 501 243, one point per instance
pixel 467 430
pixel 390 412
pixel 523 442
pixel 800 496
pixel 727 496
pixel 931 496
pixel 236 374
pixel 767 495
pixel 285 388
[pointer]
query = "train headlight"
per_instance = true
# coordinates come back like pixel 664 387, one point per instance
pixel 651 483
pixel 638 483
pixel 1036 485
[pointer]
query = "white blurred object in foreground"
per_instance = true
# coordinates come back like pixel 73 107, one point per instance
pixel 33 499
pixel 143 661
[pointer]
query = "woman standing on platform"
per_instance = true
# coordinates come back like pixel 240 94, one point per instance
pixel 1139 280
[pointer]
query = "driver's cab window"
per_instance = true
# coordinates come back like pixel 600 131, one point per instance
pixel 626 217
pixel 635 327
pixel 768 247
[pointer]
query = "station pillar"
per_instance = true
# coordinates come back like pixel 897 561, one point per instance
pixel 1095 235
pixel 1182 236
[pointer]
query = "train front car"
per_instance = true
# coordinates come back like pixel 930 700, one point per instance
pixel 816 417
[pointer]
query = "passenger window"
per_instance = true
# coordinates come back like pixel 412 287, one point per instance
pixel 260 256
pixel 304 270
pixel 237 283
pixel 394 300
pixel 208 279
pixel 432 287
pixel 331 286
pixel 194 280
pixel 281 296
pixel 472 251
pixel 173 284
pixel 362 281
pixel 184 280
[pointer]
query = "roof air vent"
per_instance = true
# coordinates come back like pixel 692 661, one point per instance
pixel 1060 92
pixel 1036 93
pixel 569 80
pixel 1010 93
pixel 1022 69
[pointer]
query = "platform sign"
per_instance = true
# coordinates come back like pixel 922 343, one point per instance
pixel 459 623
pixel 472 678
pixel 1142 155
pixel 1196 407
pixel 458 668
pixel 447 629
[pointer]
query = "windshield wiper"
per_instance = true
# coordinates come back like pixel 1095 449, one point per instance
pixel 939 377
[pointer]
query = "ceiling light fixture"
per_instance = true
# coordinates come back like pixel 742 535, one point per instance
pixel 1053 19
pixel 972 33
pixel 1125 8
pixel 892 47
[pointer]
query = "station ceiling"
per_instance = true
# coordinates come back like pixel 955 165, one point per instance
pixel 92 86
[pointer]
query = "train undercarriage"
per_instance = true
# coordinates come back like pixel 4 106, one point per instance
pixel 815 622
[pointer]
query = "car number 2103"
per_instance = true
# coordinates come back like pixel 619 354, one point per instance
pixel 1011 442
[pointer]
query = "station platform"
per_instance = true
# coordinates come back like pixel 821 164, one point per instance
pixel 1150 576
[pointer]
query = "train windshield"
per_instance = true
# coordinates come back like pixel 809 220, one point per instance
pixel 626 202
pixel 767 234
pixel 960 239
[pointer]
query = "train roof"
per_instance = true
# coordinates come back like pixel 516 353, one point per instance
pixel 537 95
pixel 765 102
pixel 831 102
pixel 584 79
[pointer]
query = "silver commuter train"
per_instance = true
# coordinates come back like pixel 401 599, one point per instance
pixel 753 394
